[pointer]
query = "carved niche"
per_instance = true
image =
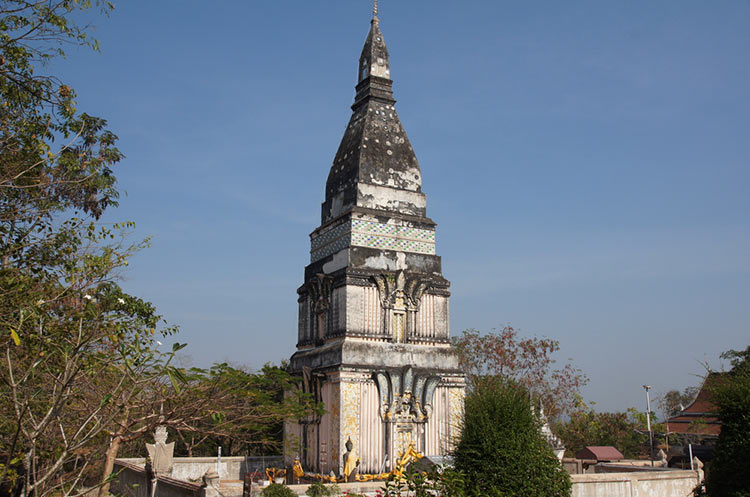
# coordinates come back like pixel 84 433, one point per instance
pixel 320 288
pixel 406 396
pixel 400 298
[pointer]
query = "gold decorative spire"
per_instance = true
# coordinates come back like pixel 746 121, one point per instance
pixel 375 10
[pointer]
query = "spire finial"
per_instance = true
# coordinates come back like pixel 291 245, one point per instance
pixel 375 9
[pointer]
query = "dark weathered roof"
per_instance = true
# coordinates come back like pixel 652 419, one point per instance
pixel 374 149
pixel 600 453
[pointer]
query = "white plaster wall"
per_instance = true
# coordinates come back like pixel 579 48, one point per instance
pixel 364 314
pixel 426 317
pixel 437 429
pixel 370 429
pixel 372 318
pixel 355 311
pixel 325 431
pixel 386 197
pixel 442 317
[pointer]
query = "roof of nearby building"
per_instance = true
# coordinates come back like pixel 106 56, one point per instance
pixel 600 453
pixel 700 417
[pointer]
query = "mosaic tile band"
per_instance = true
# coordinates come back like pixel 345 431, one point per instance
pixel 362 233
pixel 332 234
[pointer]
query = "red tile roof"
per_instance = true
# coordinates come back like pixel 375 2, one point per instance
pixel 600 453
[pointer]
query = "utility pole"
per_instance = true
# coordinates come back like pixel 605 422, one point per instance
pixel 648 422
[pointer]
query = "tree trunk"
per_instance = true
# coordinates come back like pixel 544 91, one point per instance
pixel 109 463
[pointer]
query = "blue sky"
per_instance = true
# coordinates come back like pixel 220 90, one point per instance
pixel 587 163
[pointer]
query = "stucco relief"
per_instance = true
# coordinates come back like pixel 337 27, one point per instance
pixel 456 409
pixel 400 298
pixel 335 412
pixel 405 395
pixel 350 413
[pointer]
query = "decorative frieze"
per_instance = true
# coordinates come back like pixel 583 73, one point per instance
pixel 406 395
pixel 365 233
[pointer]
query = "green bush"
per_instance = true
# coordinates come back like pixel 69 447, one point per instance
pixel 440 482
pixel 277 490
pixel 501 451
pixel 317 489
pixel 729 475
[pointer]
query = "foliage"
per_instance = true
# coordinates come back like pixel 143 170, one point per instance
pixel 241 411
pixel 440 482
pixel 68 328
pixel 728 476
pixel 626 431
pixel 674 401
pixel 277 490
pixel 502 451
pixel 528 361
pixel 82 372
pixel 39 178
pixel 318 489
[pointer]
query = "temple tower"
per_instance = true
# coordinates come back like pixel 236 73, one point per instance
pixel 374 339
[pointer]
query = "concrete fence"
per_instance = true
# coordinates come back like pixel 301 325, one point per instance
pixel 133 481
pixel 637 484
pixel 230 468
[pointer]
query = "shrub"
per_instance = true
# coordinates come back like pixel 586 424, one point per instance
pixel 317 489
pixel 277 490
pixel 502 451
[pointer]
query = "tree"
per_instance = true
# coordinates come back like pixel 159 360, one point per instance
pixel 728 475
pixel 502 451
pixel 75 345
pixel 528 361
pixel 626 431
pixel 241 411
pixel 674 401
pixel 81 372
pixel 67 326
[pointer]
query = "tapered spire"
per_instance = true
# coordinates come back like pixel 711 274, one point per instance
pixel 374 63
pixel 375 152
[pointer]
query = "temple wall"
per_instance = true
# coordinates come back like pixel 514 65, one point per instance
pixel 425 326
pixel 442 317
pixel 361 421
pixel 371 429
pixel 437 429
pixel 364 313
pixel 372 311
pixel 353 411
pixel 325 430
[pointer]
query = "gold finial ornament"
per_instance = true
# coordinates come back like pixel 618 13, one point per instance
pixel 375 9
